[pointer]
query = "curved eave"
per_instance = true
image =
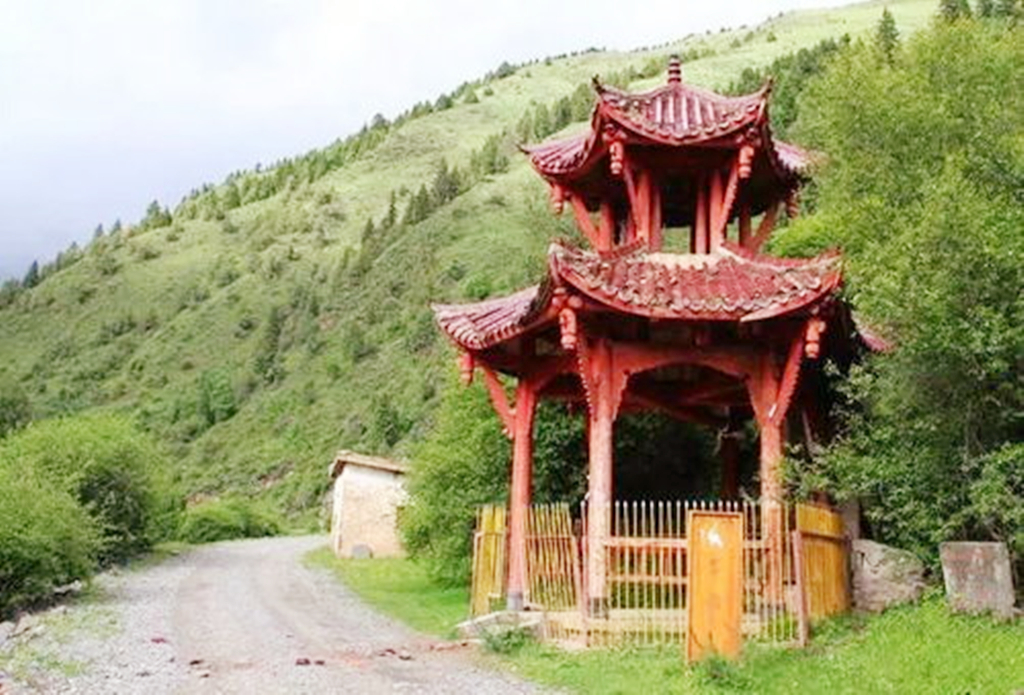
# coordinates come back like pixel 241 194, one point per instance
pixel 703 288
pixel 482 325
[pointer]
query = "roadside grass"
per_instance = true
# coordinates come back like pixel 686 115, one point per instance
pixel 399 588
pixel 912 649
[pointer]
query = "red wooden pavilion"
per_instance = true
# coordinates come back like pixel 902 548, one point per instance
pixel 715 331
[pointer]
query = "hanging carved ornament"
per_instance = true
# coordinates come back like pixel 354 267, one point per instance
pixel 569 327
pixel 557 199
pixel 746 161
pixel 615 140
pixel 812 338
pixel 467 365
pixel 793 204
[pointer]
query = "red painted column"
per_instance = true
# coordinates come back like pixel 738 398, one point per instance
pixel 599 488
pixel 764 392
pixel 700 222
pixel 520 493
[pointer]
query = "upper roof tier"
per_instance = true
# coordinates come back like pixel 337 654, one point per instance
pixel 676 117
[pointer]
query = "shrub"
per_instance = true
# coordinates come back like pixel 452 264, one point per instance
pixel 225 519
pixel 46 538
pixel 109 466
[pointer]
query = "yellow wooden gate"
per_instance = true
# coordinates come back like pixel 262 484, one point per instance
pixel 715 571
pixel 489 560
pixel 823 546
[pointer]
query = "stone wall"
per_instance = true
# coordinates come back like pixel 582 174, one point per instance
pixel 365 512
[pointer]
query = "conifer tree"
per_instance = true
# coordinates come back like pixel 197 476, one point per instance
pixel 31 278
pixel 887 37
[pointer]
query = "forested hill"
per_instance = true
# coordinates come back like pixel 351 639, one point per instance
pixel 268 320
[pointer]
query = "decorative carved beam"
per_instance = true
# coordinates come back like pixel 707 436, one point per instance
pixel 499 399
pixel 586 225
pixel 728 201
pixel 777 413
pixel 765 229
pixel 607 228
pixel 684 414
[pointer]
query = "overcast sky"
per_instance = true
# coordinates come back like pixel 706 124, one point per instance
pixel 108 104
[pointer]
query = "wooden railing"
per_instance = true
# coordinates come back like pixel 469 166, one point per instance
pixel 794 570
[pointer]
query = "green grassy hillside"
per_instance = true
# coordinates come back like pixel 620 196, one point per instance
pixel 258 333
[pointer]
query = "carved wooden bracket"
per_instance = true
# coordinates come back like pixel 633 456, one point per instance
pixel 499 399
pixel 764 230
pixel 557 199
pixel 467 365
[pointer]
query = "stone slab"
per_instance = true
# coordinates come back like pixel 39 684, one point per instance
pixel 978 578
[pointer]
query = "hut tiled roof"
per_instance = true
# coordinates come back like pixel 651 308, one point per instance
pixel 729 285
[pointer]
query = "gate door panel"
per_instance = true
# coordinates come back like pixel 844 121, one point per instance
pixel 715 572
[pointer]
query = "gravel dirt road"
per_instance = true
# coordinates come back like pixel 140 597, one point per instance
pixel 238 617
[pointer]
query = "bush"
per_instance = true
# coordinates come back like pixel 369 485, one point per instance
pixel 46 539
pixel 112 469
pixel 225 519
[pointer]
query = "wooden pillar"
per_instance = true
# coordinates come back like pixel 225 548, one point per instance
pixel 729 458
pixel 657 233
pixel 744 224
pixel 716 211
pixel 604 396
pixel 765 388
pixel 700 222
pixel 520 493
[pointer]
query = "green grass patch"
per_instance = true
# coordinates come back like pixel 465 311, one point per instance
pixel 401 589
pixel 914 649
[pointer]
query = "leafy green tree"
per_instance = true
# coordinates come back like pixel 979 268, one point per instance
pixel 111 468
pixel 216 397
pixel 985 8
pixel 47 539
pixel 922 188
pixel 15 408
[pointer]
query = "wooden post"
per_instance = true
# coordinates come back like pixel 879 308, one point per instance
pixel 716 212
pixel 744 224
pixel 657 233
pixel 800 585
pixel 700 221
pixel 599 485
pixel 519 499
pixel 728 456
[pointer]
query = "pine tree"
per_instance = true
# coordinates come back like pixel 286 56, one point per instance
pixel 98 232
pixel 31 278
pixel 887 37
pixel 952 10
pixel 1006 8
pixel 391 218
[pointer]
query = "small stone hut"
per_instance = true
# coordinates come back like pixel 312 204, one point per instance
pixel 367 493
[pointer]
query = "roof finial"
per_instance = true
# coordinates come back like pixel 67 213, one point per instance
pixel 675 70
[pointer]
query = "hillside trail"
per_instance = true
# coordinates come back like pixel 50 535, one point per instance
pixel 241 617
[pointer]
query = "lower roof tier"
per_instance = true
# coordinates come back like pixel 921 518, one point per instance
pixel 729 285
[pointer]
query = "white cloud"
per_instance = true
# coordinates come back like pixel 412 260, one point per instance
pixel 109 103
